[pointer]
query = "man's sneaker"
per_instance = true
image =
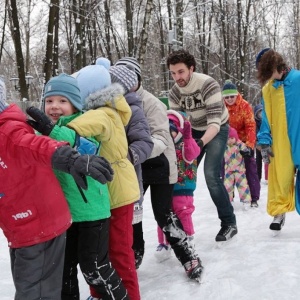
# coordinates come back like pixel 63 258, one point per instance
pixel 163 252
pixel 226 233
pixel 278 222
pixel 138 256
pixel 254 203
pixel 92 298
pixel 194 269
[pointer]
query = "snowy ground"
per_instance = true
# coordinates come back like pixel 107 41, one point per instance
pixel 254 265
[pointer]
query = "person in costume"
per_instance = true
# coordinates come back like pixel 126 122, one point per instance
pixel 279 136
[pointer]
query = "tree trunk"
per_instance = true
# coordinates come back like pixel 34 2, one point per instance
pixel 18 48
pixel 144 32
pixel 50 41
pixel 129 27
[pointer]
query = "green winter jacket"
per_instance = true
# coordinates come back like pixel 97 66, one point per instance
pixel 97 196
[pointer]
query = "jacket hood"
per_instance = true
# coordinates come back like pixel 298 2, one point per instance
pixel 110 97
pixel 106 97
pixel 12 113
pixel 178 118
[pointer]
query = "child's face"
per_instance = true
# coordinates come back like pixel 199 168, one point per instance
pixel 174 134
pixel 231 141
pixel 57 106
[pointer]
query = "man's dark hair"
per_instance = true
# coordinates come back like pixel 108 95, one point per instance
pixel 181 56
pixel 269 62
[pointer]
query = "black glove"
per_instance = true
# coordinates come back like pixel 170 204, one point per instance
pixel 266 152
pixel 68 160
pixel 247 152
pixel 40 121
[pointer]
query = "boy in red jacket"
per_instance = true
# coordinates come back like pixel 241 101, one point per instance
pixel 34 214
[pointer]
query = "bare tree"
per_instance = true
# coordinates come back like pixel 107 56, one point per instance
pixel 52 22
pixel 15 30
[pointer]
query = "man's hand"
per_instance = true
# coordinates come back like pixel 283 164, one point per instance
pixel 40 122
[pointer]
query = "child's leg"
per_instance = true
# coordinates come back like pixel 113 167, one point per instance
pixel 183 206
pixel 161 236
pixel 229 184
pixel 70 287
pixel 37 270
pixel 120 250
pixel 242 187
pixel 93 239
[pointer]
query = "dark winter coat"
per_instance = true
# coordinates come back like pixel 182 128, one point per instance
pixel 33 208
pixel 138 136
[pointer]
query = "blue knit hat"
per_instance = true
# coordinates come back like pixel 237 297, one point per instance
pixel 3 104
pixel 229 89
pixel 259 56
pixel 91 79
pixel 64 85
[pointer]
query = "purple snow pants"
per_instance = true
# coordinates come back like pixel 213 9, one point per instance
pixel 252 177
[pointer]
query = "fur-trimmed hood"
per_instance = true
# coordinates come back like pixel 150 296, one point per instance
pixel 178 119
pixel 112 97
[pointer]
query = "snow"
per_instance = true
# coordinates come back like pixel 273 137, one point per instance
pixel 253 265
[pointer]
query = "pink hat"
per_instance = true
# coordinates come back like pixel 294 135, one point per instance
pixel 233 133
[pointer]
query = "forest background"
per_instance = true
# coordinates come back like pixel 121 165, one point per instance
pixel 40 39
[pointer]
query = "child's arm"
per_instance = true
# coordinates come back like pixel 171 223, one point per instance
pixel 191 150
pixel 138 135
pixel 93 123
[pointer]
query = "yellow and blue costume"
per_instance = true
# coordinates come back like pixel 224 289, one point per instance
pixel 280 128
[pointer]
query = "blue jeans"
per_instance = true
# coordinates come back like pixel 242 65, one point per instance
pixel 214 153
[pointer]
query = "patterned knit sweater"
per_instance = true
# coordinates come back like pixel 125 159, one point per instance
pixel 201 99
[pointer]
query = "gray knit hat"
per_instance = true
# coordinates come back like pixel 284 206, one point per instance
pixel 124 76
pixel 3 104
pixel 131 61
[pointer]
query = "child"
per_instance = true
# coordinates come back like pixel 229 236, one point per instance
pixel 235 172
pixel 87 238
pixel 107 114
pixel 138 134
pixel 34 214
pixel 187 152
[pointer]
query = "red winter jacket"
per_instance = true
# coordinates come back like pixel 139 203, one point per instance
pixel 241 118
pixel 33 208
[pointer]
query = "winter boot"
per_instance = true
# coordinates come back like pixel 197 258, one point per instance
pixel 138 244
pixel 254 203
pixel 138 256
pixel 226 233
pixel 278 222
pixel 194 269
